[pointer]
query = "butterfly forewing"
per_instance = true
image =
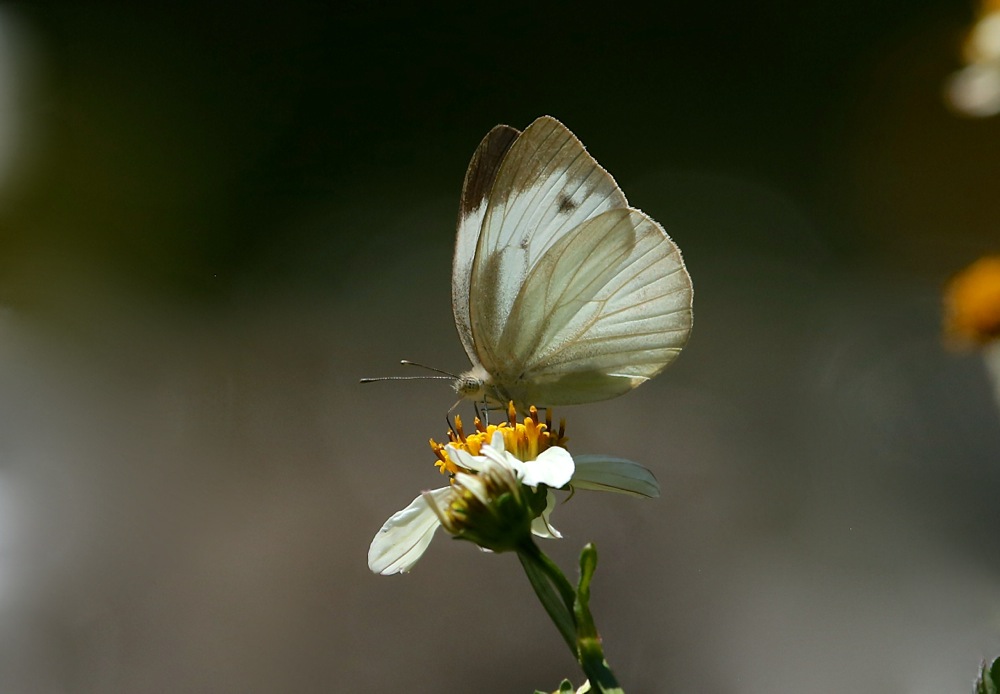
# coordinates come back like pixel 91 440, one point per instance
pixel 607 307
pixel 546 186
pixel 479 179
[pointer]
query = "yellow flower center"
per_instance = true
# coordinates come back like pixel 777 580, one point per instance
pixel 524 440
pixel 972 302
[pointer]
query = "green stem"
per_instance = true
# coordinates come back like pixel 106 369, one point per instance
pixel 569 609
pixel 551 590
pixel 552 572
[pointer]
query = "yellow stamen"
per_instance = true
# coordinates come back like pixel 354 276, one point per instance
pixel 524 441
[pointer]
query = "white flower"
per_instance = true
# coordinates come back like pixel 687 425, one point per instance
pixel 407 534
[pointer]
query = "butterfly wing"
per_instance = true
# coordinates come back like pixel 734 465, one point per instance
pixel 546 186
pixel 607 307
pixel 479 179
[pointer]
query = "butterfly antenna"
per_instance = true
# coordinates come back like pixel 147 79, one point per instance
pixel 404 378
pixel 407 362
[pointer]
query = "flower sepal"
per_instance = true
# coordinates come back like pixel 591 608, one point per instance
pixel 494 510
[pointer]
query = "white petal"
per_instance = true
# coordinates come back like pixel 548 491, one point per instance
pixel 405 536
pixel 503 459
pixel 496 443
pixel 474 484
pixel 604 473
pixel 975 89
pixel 553 467
pixel 464 459
pixel 517 467
pixel 984 39
pixel 541 525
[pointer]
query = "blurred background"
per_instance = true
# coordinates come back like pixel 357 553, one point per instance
pixel 215 219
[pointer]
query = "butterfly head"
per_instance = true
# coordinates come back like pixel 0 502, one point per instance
pixel 473 384
pixel 478 384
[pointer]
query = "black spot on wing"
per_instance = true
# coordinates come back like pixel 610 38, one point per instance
pixel 565 203
pixel 484 166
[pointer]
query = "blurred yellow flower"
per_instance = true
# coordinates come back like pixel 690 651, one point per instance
pixel 972 303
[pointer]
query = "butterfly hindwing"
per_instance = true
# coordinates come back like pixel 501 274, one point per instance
pixel 607 307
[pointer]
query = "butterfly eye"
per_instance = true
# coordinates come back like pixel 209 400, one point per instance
pixel 469 386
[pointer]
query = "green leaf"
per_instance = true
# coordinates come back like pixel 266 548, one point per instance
pixel 549 595
pixel 989 679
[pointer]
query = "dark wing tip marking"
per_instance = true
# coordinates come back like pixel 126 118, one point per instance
pixel 484 166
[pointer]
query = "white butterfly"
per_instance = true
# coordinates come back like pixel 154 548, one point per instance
pixel 562 293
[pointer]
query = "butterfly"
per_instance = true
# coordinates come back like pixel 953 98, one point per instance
pixel 562 293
